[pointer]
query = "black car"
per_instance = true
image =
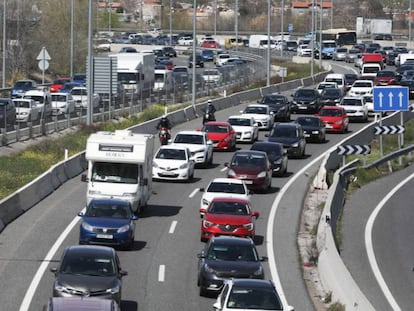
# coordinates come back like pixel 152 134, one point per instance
pixel 292 137
pixel 226 257
pixel 313 128
pixel 331 96
pixel 7 112
pixel 350 78
pixel 199 61
pixel 89 271
pixel 410 85
pixel 276 154
pixel 306 100
pixel 169 51
pixel 279 104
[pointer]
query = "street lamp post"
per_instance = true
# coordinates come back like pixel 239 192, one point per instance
pixel 215 18
pixel 71 35
pixel 268 45
pixel 89 111
pixel 320 31
pixel 313 39
pixel 4 44
pixel 236 24
pixel 409 21
pixel 170 22
pixel 281 29
pixel 193 80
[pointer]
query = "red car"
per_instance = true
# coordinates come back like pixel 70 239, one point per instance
pixel 58 84
pixel 334 118
pixel 253 167
pixel 385 77
pixel 210 44
pixel 228 216
pixel 221 134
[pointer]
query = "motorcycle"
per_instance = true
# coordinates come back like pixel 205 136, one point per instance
pixel 164 135
pixel 208 116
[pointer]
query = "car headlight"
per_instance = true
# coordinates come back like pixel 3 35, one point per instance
pixel 295 144
pixel 230 172
pixel 261 174
pixel 278 161
pixel 185 165
pixel 312 103
pixel 114 290
pixel 87 226
pixel 154 164
pixel 60 288
pixel 205 202
pixel 339 122
pixel 123 229
pixel 315 132
pixel 248 226
pixel 209 269
pixel 247 134
pixel 227 139
pixel 258 272
pixel 207 224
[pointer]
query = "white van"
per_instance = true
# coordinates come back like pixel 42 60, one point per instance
pixel 43 100
pixel 370 69
pixel 338 78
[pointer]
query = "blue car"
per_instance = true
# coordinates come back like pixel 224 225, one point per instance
pixel 68 86
pixel 22 86
pixel 108 222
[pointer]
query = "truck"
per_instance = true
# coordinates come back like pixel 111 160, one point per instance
pixel 119 167
pixel 373 58
pixel 260 42
pixel 135 71
pixel 163 80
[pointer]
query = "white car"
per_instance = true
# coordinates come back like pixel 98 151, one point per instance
pixel 261 114
pixel 26 110
pixel 212 76
pixel 200 146
pixel 224 188
pixel 173 162
pixel 42 99
pixel 245 127
pixel 80 96
pixel 62 103
pixel 304 50
pixel 185 41
pixel 361 88
pixel 355 107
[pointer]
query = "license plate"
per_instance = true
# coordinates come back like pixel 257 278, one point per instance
pixel 105 236
pixel 328 126
pixel 300 107
pixel 307 135
pixel 248 182
pixel 168 173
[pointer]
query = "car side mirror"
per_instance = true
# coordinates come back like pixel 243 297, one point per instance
pixel 264 258
pixel 201 190
pixel 256 214
pixel 123 273
pixel 226 164
pixel 81 214
pixel 266 135
pixel 53 270
pixel 84 178
pixel 241 111
pixel 134 217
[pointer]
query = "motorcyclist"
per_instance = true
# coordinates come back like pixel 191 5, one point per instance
pixel 164 123
pixel 209 111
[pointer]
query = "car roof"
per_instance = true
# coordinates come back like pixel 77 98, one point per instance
pixel 217 123
pixel 109 201
pixel 250 283
pixel 241 116
pixel 258 105
pixel 290 124
pixel 230 199
pixel 332 108
pixel 191 132
pixel 172 146
pixel 88 249
pixel 248 151
pixel 80 303
pixel 227 180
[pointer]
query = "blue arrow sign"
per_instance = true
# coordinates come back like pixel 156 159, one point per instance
pixel 390 98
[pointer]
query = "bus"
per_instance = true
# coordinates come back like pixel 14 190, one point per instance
pixel 342 36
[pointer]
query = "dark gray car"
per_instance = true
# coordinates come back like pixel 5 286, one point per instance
pixel 226 257
pixel 291 136
pixel 89 271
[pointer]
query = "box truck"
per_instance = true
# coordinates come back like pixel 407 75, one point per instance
pixel 120 167
pixel 163 80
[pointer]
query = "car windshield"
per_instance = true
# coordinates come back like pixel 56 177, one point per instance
pixel 171 154
pixel 351 102
pixel 58 98
pixel 23 84
pixel 189 139
pixel 82 92
pixel 331 92
pixel 239 121
pixel 305 93
pixel 123 173
pixel 91 265
pixel 330 112
pixel 232 253
pixel 37 98
pixel 248 160
pixel 362 84
pixel 308 121
pixel 338 81
pixel 225 187
pixel 108 210
pixel 22 104
pixel 215 128
pixel 387 73
pixel 255 109
pixel 271 149
pixel 253 298
pixel 229 208
pixel 273 99
pixel 284 131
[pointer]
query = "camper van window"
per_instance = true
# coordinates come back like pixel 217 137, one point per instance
pixel 124 173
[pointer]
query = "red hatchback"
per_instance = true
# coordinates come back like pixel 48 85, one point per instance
pixel 210 44
pixel 228 216
pixel 58 84
pixel 221 134
pixel 334 118
pixel 253 167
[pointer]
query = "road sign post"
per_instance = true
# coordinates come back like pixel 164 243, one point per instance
pixel 43 59
pixel 345 150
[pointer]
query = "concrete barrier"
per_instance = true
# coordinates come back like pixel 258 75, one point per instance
pixel 58 175
pixel 10 209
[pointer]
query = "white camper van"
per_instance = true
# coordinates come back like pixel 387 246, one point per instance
pixel 163 80
pixel 120 167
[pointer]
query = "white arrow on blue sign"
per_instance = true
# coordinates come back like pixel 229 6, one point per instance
pixel 390 98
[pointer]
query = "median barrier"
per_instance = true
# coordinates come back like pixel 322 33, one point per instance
pixel 10 209
pixel 190 113
pixel 58 175
pixel 75 165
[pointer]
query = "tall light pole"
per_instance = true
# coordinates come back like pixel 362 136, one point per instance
pixel 236 23
pixel 215 18
pixel 409 21
pixel 170 22
pixel 320 31
pixel 89 111
pixel 332 13
pixel 313 39
pixel 268 44
pixel 71 35
pixel 110 15
pixel 4 44
pixel 281 28
pixel 193 80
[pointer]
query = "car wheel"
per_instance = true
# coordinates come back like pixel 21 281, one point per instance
pixel 203 291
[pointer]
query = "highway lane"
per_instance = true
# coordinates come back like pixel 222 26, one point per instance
pixel 155 246
pixel 391 236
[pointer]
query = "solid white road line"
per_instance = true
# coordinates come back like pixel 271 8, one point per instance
pixel 370 248
pixel 43 266
pixel 172 227
pixel 161 273
pixel 272 217
pixel 223 169
pixel 192 194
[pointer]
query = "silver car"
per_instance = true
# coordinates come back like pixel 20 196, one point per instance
pixel 340 54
